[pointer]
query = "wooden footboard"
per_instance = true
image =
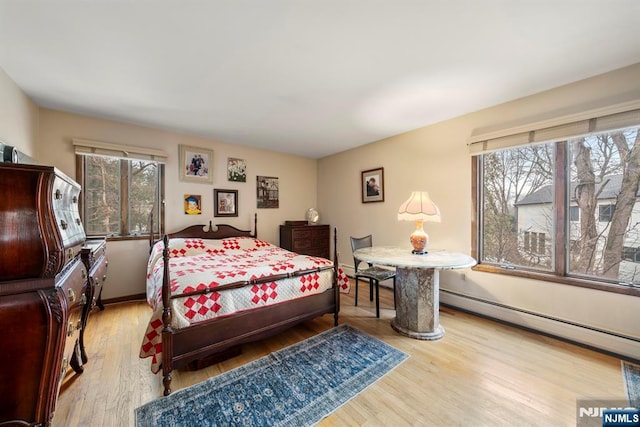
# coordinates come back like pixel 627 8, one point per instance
pixel 183 346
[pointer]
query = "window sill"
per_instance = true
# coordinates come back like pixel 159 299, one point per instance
pixel 120 238
pixel 571 281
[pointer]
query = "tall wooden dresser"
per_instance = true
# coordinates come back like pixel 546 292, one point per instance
pixel 44 290
pixel 298 236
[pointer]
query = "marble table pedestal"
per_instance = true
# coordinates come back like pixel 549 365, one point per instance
pixel 417 303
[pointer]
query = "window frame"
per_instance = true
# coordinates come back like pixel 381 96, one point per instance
pixel 125 166
pixel 559 274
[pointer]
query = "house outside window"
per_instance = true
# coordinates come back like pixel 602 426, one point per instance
pixel 565 209
pixel 119 195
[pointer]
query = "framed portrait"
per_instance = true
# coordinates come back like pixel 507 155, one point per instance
pixel 192 204
pixel 236 170
pixel 196 164
pixel 373 185
pixel 226 202
pixel 267 192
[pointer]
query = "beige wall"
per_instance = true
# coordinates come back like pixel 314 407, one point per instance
pixel 436 159
pixel 127 260
pixel 18 117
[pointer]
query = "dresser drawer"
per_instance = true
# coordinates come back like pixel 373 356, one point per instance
pixel 73 286
pixel 301 233
pixel 97 277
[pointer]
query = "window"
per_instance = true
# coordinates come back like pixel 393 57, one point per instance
pixel 605 212
pixel 566 208
pixel 119 194
pixel 574 213
pixel 631 254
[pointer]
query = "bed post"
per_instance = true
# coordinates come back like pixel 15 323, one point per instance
pixel 151 235
pixel 255 226
pixel 167 337
pixel 336 289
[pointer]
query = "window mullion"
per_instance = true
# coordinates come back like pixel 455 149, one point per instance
pixel 124 198
pixel 561 208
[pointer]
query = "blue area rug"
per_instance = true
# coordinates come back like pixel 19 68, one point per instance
pixel 296 386
pixel 631 375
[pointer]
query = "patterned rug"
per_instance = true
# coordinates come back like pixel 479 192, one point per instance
pixel 631 375
pixel 296 386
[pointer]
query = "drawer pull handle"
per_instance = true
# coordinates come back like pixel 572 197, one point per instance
pixel 70 329
pixel 58 194
pixel 72 295
pixel 75 199
pixel 78 221
pixel 84 274
pixel 63 224
pixel 84 299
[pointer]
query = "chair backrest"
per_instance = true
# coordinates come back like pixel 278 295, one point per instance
pixel 359 243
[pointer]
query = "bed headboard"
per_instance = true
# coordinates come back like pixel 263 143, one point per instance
pixel 219 231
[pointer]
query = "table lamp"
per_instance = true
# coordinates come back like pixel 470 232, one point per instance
pixel 419 208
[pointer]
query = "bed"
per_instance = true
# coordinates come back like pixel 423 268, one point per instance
pixel 215 288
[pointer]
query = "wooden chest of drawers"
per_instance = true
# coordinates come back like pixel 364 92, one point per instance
pixel 43 290
pixel 311 240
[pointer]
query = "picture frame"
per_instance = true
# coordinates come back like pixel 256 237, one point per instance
pixel 196 164
pixel 225 202
pixel 236 170
pixel 267 192
pixel 192 204
pixel 373 185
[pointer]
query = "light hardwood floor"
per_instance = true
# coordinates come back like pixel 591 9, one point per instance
pixel 482 373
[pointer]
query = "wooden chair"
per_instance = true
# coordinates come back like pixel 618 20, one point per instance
pixel 373 273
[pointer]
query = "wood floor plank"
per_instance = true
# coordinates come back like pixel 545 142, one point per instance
pixel 482 373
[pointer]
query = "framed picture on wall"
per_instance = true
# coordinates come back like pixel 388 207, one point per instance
pixel 226 202
pixel 196 164
pixel 373 185
pixel 192 204
pixel 236 170
pixel 267 192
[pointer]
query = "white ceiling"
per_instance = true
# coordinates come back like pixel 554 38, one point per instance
pixel 307 77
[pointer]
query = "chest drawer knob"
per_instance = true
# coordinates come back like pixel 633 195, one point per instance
pixel 58 195
pixel 72 295
pixel 63 224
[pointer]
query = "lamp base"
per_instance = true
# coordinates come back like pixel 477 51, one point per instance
pixel 419 239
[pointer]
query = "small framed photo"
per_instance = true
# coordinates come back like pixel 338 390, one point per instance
pixel 192 204
pixel 226 202
pixel 236 170
pixel 196 164
pixel 373 185
pixel 267 192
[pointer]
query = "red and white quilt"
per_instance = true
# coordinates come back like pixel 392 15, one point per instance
pixel 197 264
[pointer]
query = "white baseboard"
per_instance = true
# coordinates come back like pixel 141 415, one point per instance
pixel 603 340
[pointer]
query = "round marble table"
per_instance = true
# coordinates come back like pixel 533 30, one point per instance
pixel 417 286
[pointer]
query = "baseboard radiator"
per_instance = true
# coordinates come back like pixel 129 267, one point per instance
pixel 616 344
